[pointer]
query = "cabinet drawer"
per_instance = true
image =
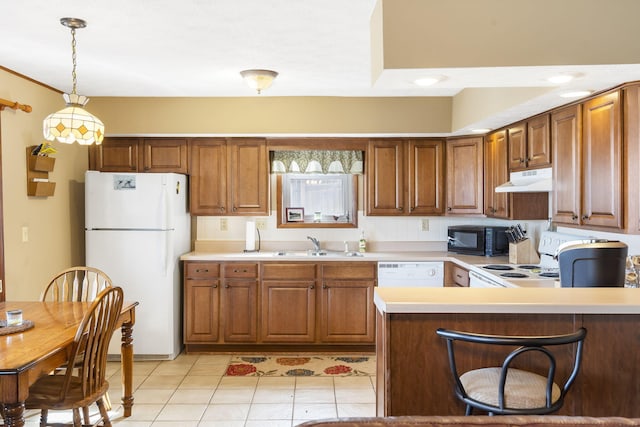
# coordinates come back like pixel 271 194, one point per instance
pixel 240 270
pixel 460 276
pixel 195 270
pixel 349 270
pixel 289 271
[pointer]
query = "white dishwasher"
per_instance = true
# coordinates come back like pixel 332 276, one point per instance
pixel 411 274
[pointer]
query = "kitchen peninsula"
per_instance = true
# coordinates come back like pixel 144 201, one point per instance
pixel 413 376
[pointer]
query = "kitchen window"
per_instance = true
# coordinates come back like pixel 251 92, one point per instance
pixel 317 200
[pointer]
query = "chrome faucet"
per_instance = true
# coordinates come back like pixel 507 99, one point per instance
pixel 316 243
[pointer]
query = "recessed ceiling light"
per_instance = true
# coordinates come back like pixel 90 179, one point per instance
pixel 575 94
pixel 480 130
pixel 428 80
pixel 561 78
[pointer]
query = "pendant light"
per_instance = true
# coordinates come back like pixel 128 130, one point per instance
pixel 259 79
pixel 73 123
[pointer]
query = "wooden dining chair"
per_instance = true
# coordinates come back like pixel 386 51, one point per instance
pixel 80 388
pixel 76 284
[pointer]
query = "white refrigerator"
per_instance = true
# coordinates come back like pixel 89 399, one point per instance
pixel 136 227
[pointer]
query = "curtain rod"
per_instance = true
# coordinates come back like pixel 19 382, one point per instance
pixel 15 105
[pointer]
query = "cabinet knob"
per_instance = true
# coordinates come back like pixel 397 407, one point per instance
pixel 521 160
pixel 222 209
pixel 227 285
pixel 449 208
pixel 234 209
pixel 215 286
pixel 312 287
pixel 574 217
pixel 203 270
pixel 240 271
pixel 585 217
pixel 324 286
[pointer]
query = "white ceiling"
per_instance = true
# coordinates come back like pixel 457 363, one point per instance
pixel 198 47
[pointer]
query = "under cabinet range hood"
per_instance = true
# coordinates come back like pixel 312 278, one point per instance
pixel 531 181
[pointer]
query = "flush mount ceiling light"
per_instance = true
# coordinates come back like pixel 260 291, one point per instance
pixel 73 123
pixel 563 78
pixel 259 79
pixel 427 80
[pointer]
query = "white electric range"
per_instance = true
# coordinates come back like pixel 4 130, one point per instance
pixel 545 274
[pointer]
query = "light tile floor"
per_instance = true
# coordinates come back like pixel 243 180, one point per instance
pixel 191 391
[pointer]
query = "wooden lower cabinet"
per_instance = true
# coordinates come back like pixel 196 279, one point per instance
pixel 247 306
pixel 288 303
pixel 347 313
pixel 201 302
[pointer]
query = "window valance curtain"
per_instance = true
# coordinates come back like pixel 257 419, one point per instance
pixel 317 161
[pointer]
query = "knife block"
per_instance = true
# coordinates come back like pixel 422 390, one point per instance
pixel 523 253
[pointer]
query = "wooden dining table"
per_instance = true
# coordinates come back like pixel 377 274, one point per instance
pixel 27 355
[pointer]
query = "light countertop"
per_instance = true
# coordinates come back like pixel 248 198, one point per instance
pixel 466 261
pixel 514 300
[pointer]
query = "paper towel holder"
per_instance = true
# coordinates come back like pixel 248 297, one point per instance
pixel 258 248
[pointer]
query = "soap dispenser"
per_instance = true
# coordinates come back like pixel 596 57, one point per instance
pixel 362 244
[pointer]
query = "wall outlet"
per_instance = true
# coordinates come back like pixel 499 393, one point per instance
pixel 424 225
pixel 224 226
pixel 25 234
pixel 261 223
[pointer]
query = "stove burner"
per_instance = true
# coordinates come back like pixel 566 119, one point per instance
pixel 528 267
pixel 514 275
pixel 549 274
pixel 498 267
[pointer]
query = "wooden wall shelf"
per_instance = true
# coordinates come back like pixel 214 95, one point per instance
pixel 38 168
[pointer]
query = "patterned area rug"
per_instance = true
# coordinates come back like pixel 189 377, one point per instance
pixel 301 366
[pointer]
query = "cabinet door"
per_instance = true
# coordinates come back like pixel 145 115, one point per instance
pixel 426 177
pixel 465 176
pixel 538 142
pixel 602 162
pixel 115 155
pixel 201 311
pixel 631 138
pixel 496 173
pixel 248 176
pixel 208 179
pixel 385 177
pixel 288 311
pixel 164 155
pixel 566 127
pixel 518 147
pixel 347 311
pixel 240 310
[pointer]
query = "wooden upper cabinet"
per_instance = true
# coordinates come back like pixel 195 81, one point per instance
pixel 631 136
pixel 140 155
pixel 587 163
pixel 538 142
pixel 114 155
pixel 465 176
pixel 602 161
pixel 164 155
pixel 566 138
pixel 229 177
pixel 248 176
pixel 426 177
pixel 385 177
pixel 208 180
pixel 495 173
pixel 405 177
pixel 530 144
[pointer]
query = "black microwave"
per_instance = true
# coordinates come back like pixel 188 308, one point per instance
pixel 477 240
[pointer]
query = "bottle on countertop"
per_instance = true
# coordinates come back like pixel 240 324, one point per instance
pixel 362 244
